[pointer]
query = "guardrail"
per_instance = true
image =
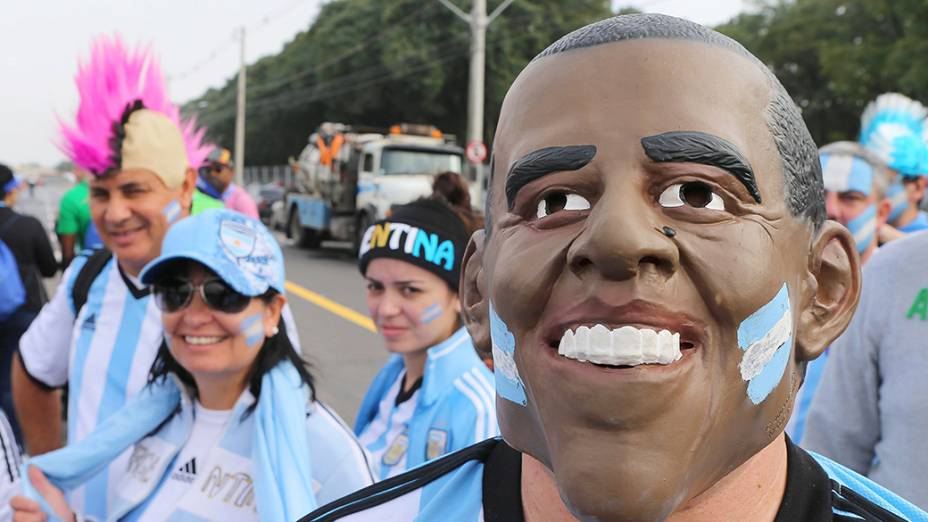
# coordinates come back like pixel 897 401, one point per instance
pixel 268 174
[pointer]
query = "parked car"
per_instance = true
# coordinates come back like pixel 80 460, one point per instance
pixel 268 194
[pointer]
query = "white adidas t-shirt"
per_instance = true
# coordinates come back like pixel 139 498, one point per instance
pixel 203 481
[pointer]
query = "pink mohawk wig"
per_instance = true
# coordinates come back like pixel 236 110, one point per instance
pixel 112 79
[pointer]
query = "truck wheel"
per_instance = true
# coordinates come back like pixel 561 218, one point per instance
pixel 301 236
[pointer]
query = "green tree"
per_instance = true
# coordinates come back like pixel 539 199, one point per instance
pixel 834 56
pixel 377 63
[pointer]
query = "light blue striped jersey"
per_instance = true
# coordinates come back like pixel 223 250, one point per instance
pixel 103 352
pixel 483 482
pixel 454 408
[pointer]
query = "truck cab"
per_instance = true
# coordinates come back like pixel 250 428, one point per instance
pixel 348 179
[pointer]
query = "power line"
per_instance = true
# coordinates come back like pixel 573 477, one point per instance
pixel 224 45
pixel 347 83
pixel 350 52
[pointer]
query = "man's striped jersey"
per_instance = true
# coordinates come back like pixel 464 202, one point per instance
pixel 452 408
pixel 9 469
pixel 103 352
pixel 483 483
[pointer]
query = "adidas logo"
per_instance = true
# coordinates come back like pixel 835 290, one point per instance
pixel 90 323
pixel 186 473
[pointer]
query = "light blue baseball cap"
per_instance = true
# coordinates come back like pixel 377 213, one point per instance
pixel 240 249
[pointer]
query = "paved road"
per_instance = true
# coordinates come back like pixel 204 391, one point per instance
pixel 346 356
pixel 324 287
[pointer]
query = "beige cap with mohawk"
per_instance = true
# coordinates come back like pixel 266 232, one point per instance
pixel 153 142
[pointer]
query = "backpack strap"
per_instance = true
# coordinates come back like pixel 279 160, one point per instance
pixel 86 277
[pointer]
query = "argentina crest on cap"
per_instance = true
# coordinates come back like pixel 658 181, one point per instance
pixel 237 238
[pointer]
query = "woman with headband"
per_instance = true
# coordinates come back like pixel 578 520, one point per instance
pixel 434 395
pixel 228 427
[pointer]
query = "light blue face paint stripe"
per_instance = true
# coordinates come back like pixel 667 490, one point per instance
pixel 861 176
pixel 508 383
pixel 863 228
pixel 760 387
pixel 898 200
pixel 171 211
pixel 430 314
pixel 754 329
pixel 252 328
pixel 756 326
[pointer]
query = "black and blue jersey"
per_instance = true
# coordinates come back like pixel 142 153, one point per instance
pixel 483 483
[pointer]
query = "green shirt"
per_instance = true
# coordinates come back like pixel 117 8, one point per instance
pixel 203 202
pixel 74 212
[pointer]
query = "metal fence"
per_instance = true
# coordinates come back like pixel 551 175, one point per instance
pixel 268 174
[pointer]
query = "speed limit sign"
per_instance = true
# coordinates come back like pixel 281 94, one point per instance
pixel 476 152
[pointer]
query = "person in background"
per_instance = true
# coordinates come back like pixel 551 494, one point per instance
pixel 855 183
pixel 27 240
pixel 855 192
pixel 434 395
pixel 870 411
pixel 215 180
pixel 75 229
pixel 228 396
pixel 451 187
pixel 891 127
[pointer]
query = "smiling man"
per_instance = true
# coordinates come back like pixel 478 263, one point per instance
pixel 655 274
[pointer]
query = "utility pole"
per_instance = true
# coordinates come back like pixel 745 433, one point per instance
pixel 240 116
pixel 478 21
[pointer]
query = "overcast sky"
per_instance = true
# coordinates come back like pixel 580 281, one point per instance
pixel 41 41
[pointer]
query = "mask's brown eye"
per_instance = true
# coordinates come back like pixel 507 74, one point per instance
pixel 695 194
pixel 558 201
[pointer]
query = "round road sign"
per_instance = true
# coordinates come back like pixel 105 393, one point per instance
pixel 476 152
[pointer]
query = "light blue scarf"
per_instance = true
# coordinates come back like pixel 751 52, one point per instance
pixel 280 449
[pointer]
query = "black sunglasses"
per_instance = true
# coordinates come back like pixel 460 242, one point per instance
pixel 176 294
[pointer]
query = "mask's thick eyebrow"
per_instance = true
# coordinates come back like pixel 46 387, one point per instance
pixel 545 161
pixel 702 148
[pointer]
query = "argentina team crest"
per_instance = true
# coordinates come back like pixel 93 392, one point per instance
pixel 437 443
pixel 238 239
pixel 396 451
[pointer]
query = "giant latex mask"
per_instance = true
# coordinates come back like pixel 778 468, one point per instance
pixel 652 280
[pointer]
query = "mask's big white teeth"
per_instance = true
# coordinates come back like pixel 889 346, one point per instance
pixel 625 346
pixel 200 340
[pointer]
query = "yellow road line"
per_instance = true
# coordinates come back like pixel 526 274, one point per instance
pixel 324 302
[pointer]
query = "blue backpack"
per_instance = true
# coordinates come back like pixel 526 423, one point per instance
pixel 12 291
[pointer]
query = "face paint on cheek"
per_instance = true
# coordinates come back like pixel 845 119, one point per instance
pixel 898 200
pixel 430 314
pixel 766 338
pixel 252 328
pixel 863 228
pixel 171 211
pixel 509 384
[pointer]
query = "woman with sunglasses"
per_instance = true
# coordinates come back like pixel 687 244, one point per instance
pixel 228 427
pixel 434 395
